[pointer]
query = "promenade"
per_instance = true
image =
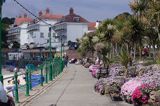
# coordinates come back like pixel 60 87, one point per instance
pixel 75 88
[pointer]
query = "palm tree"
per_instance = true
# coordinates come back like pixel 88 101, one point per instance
pixel 138 7
pixel 153 15
pixel 102 51
pixel 87 45
pixel 120 23
pixel 152 39
pixel 105 32
pixel 125 59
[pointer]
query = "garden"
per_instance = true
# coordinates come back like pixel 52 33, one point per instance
pixel 124 55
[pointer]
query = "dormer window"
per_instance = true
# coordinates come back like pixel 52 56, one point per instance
pixel 76 19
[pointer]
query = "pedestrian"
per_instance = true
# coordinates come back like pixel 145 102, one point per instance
pixel 5 100
pixel 66 60
pixel 3 94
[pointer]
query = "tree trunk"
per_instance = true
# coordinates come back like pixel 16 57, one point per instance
pixel 154 53
pixel 116 49
pixel 140 53
pixel 134 56
pixel 113 50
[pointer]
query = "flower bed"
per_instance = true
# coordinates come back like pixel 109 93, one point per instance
pixel 139 90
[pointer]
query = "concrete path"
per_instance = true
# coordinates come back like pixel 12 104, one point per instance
pixel 74 89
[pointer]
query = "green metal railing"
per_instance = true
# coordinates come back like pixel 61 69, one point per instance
pixel 48 71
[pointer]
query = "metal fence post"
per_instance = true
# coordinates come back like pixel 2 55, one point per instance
pixel 60 62
pixel 53 70
pixel 30 79
pixel 16 88
pixel 50 72
pixel 46 73
pixel 42 79
pixel 27 83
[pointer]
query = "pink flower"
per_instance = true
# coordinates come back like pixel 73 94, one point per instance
pixel 144 99
pixel 137 93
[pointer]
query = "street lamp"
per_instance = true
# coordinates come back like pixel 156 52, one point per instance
pixel 62 43
pixel 1 76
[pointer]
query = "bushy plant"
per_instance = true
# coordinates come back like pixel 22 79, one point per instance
pixel 158 58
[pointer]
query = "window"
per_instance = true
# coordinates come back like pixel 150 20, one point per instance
pixel 41 35
pixel 33 36
pixel 54 35
pixel 76 19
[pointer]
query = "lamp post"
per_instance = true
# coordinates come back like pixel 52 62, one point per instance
pixel 62 43
pixel 1 76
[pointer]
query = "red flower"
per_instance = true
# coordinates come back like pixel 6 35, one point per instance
pixel 137 93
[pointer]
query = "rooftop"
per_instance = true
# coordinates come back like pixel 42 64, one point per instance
pixel 22 19
pixel 92 26
pixel 72 17
pixel 48 15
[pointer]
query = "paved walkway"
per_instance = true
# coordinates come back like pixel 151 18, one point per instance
pixel 74 89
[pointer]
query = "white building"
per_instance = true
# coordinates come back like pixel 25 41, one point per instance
pixel 38 31
pixel 18 31
pixel 71 26
pixel 34 33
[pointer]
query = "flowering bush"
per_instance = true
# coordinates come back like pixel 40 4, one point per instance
pixel 116 70
pixel 154 98
pixel 128 88
pixel 104 85
pixel 141 95
pixel 99 86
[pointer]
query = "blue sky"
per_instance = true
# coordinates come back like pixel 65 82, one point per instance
pixel 92 10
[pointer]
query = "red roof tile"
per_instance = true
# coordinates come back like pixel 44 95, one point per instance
pixel 72 17
pixel 21 20
pixel 50 16
pixel 91 25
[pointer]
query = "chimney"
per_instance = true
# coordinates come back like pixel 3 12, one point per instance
pixel 71 11
pixel 47 10
pixel 25 15
pixel 20 16
pixel 97 24
pixel 40 13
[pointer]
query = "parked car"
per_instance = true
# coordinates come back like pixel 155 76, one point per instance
pixel 72 61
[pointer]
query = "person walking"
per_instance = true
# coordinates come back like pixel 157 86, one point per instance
pixel 65 60
pixel 3 94
pixel 5 100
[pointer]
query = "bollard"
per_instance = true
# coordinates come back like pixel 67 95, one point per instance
pixel 27 83
pixel 30 79
pixel 46 74
pixel 16 88
pixel 42 76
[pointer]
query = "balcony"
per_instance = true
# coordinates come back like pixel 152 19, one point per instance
pixel 14 31
pixel 33 27
pixel 61 27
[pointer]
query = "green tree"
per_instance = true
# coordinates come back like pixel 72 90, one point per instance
pixel 125 59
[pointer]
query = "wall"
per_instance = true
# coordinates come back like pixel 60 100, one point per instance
pixel 45 30
pixel 23 34
pixel 76 30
